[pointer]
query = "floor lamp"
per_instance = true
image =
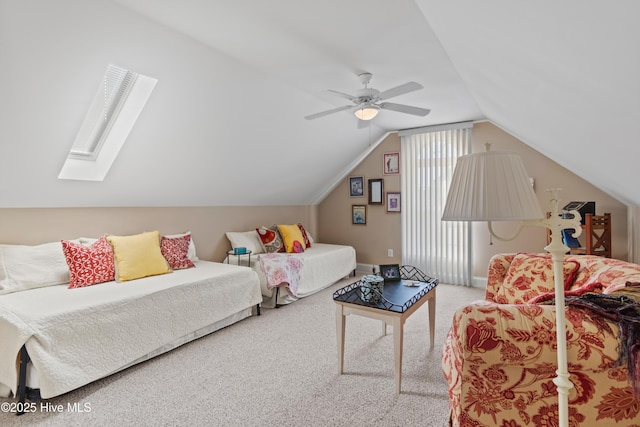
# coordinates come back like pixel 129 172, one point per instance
pixel 494 186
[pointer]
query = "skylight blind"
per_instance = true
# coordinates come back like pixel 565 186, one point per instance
pixel 111 95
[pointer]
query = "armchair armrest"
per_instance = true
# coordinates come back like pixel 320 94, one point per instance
pixel 499 361
pixel 525 335
pixel 498 267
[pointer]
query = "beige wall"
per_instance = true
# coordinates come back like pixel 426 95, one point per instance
pixel 383 230
pixel 547 174
pixel 207 224
pixel 328 222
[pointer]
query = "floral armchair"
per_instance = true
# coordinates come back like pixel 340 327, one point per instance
pixel 500 357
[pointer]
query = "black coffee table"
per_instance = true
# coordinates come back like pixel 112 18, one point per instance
pixel 394 306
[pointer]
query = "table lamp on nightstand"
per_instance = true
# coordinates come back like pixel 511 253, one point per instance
pixel 494 186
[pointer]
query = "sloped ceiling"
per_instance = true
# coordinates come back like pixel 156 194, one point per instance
pixel 225 124
pixel 561 76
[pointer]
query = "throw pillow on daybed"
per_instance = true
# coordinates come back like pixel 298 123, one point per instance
pixel 191 254
pixel 138 256
pixel 25 267
pixel 292 237
pixel 306 236
pixel 270 239
pixel 89 264
pixel 530 275
pixel 176 251
pixel 245 239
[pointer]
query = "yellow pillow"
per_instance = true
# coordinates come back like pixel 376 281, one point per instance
pixel 291 234
pixel 138 256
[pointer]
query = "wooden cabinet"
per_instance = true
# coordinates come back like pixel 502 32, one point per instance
pixel 595 238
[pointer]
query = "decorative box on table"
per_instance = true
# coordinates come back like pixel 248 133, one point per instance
pixel 371 288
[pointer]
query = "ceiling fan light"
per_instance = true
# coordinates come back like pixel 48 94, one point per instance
pixel 367 111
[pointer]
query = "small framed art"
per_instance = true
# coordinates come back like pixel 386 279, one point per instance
pixel 390 272
pixel 358 214
pixel 356 186
pixel 375 191
pixel 391 163
pixel 393 201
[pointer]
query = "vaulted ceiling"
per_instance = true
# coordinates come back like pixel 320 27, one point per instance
pixel 225 124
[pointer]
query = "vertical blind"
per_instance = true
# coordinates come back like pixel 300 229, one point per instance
pixel 441 249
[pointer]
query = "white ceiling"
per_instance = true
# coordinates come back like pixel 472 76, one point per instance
pixel 236 78
pixel 561 76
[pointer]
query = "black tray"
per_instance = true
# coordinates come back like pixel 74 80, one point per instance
pixel 395 295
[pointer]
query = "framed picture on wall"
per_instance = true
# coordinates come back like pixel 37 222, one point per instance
pixel 375 191
pixel 393 201
pixel 358 214
pixel 391 163
pixel 356 186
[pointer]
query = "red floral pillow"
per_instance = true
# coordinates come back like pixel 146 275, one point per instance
pixel 270 239
pixel 530 275
pixel 89 265
pixel 297 247
pixel 307 241
pixel 175 250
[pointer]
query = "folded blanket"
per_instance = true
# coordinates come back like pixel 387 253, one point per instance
pixel 595 287
pixel 282 270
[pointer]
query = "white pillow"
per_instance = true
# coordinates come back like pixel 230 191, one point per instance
pixel 245 239
pixel 191 253
pixel 27 267
pixel 85 241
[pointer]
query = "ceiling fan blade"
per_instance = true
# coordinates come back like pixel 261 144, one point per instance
pixel 400 90
pixel 326 113
pixel 343 95
pixel 416 111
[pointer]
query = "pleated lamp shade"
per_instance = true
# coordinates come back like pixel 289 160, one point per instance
pixel 491 186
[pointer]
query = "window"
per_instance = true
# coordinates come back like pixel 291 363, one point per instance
pixel 440 249
pixel 120 98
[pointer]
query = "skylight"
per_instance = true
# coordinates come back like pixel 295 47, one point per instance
pixel 120 98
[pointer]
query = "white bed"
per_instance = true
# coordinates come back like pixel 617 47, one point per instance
pixel 323 265
pixel 77 336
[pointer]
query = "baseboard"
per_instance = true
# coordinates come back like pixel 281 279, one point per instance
pixel 366 268
pixel 479 282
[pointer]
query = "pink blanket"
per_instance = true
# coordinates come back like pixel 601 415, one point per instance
pixel 282 270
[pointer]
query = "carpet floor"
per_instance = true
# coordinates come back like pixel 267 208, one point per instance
pixel 277 369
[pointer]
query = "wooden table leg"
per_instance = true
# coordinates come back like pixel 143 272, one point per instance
pixel 432 318
pixel 340 322
pixel 397 350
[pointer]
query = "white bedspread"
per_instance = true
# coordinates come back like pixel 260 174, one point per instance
pixel 76 336
pixel 324 264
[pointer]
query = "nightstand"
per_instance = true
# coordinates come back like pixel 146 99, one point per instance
pixel 239 257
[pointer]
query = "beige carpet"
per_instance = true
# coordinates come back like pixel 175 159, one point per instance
pixel 279 369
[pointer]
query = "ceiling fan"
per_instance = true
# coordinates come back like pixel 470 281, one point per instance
pixel 366 102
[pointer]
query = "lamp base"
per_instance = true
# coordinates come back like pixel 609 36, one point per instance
pixel 557 249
